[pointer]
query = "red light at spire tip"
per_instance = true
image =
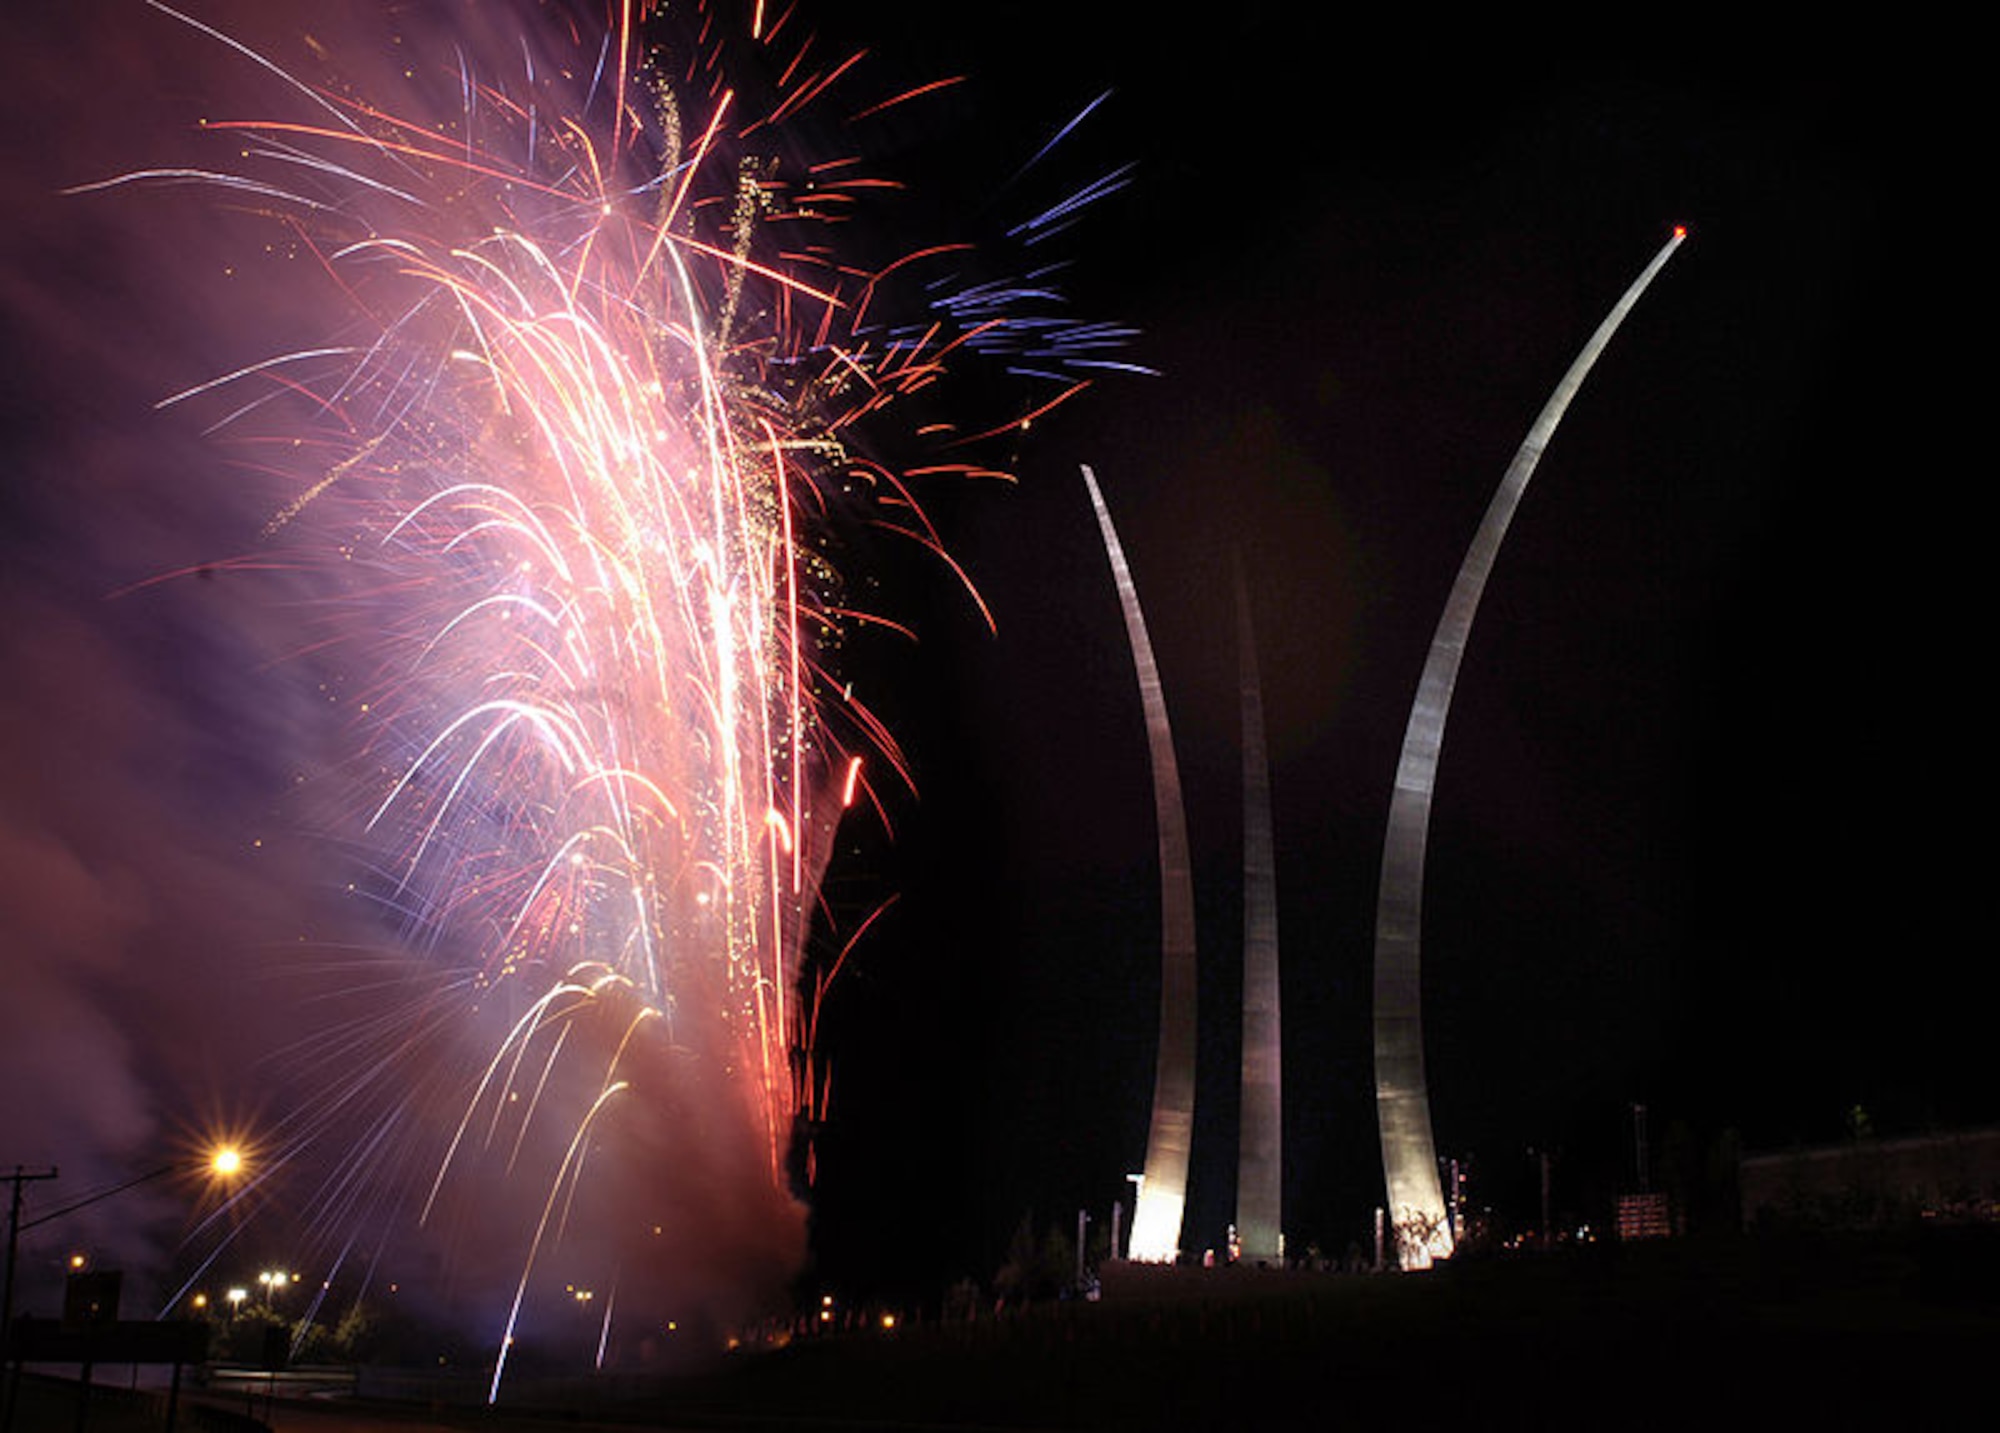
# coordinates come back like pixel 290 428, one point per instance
pixel 1680 231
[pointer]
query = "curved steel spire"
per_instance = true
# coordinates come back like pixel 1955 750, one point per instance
pixel 1259 1160
pixel 1156 1219
pixel 1402 1099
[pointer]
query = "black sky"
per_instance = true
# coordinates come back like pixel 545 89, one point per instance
pixel 1707 823
pixel 1694 842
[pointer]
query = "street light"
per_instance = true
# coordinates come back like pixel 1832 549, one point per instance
pixel 221 1163
pixel 274 1280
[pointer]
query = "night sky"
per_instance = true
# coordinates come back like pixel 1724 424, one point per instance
pixel 1707 821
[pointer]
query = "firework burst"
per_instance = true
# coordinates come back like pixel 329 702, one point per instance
pixel 565 472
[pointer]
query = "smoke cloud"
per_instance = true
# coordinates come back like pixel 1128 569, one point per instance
pixel 194 940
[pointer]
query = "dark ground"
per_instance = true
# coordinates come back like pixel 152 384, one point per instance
pixel 1809 1333
pixel 1806 1331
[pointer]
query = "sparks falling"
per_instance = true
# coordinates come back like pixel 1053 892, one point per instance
pixel 598 390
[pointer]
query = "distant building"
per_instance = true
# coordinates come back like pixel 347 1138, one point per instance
pixel 1865 1183
pixel 1644 1216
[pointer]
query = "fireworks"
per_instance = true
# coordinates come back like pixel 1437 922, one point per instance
pixel 594 396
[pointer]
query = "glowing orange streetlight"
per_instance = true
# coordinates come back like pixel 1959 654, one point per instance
pixel 223 1162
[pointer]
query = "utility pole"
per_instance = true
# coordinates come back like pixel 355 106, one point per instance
pixel 21 1175
pixel 1548 1230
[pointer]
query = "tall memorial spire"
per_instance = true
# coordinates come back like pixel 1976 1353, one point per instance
pixel 1402 1098
pixel 1156 1219
pixel 1260 1166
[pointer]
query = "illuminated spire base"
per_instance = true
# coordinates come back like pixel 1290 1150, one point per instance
pixel 1409 1154
pixel 1156 1221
